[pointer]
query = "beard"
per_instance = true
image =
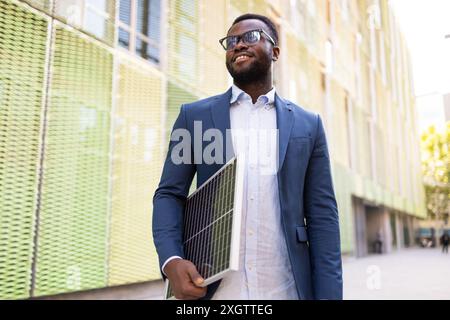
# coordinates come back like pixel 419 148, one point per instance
pixel 254 72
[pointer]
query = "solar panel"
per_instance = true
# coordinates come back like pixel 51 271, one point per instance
pixel 212 224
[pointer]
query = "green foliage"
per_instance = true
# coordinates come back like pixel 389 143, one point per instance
pixel 435 148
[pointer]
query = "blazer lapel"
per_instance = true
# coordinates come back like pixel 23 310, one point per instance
pixel 285 120
pixel 220 111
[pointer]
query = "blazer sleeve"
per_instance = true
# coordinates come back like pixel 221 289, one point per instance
pixel 322 221
pixel 170 198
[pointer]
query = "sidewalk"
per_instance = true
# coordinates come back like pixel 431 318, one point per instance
pixel 415 273
pixel 407 274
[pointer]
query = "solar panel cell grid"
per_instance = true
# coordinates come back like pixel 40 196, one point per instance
pixel 212 224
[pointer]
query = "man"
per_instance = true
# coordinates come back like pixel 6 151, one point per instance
pixel 291 244
pixel 445 240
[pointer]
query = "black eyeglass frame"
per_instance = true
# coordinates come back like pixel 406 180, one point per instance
pixel 240 37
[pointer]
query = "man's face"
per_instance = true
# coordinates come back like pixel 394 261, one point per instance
pixel 258 57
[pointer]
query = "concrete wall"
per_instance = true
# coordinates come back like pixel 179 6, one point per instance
pixel 152 290
pixel 397 229
pixel 360 228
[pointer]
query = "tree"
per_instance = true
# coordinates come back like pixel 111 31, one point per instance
pixel 435 148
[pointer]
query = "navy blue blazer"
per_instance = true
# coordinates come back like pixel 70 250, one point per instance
pixel 309 211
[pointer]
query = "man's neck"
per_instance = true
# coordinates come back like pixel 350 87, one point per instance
pixel 255 89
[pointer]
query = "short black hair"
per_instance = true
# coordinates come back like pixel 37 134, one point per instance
pixel 272 29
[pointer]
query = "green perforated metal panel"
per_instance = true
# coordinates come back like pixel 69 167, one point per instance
pixel 22 60
pixel 213 76
pixel 72 239
pixel 176 97
pixel 137 165
pixel 183 47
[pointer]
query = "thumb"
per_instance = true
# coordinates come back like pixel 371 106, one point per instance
pixel 196 278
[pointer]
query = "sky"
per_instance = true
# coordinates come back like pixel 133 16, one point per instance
pixel 425 24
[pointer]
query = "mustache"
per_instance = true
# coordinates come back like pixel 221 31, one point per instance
pixel 244 53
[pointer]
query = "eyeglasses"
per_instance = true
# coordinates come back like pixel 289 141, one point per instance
pixel 250 38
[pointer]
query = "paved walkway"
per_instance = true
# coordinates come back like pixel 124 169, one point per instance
pixel 407 274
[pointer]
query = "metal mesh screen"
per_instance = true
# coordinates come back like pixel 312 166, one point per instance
pixel 72 242
pixel 137 160
pixel 22 64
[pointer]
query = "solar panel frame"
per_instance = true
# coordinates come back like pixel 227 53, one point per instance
pixel 196 201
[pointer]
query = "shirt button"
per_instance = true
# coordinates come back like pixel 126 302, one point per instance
pixel 252 198
pixel 250 232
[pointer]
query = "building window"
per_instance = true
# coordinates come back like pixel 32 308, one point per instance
pixel 96 17
pixel 184 45
pixel 124 38
pixel 139 27
pixel 125 12
pixel 93 16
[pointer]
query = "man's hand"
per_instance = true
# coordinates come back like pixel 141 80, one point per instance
pixel 185 279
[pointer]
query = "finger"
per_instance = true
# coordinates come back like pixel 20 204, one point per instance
pixel 196 278
pixel 190 289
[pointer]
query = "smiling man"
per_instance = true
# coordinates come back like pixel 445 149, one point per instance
pixel 290 235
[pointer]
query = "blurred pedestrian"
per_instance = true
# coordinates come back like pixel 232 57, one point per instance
pixel 445 240
pixel 433 238
pixel 379 242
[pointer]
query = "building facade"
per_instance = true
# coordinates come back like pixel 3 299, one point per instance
pixel 89 90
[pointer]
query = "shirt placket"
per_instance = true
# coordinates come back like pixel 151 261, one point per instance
pixel 243 142
pixel 253 203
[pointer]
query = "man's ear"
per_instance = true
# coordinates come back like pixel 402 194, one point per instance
pixel 275 53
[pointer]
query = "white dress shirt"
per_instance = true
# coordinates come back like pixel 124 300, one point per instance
pixel 265 269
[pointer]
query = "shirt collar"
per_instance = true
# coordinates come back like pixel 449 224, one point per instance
pixel 238 94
